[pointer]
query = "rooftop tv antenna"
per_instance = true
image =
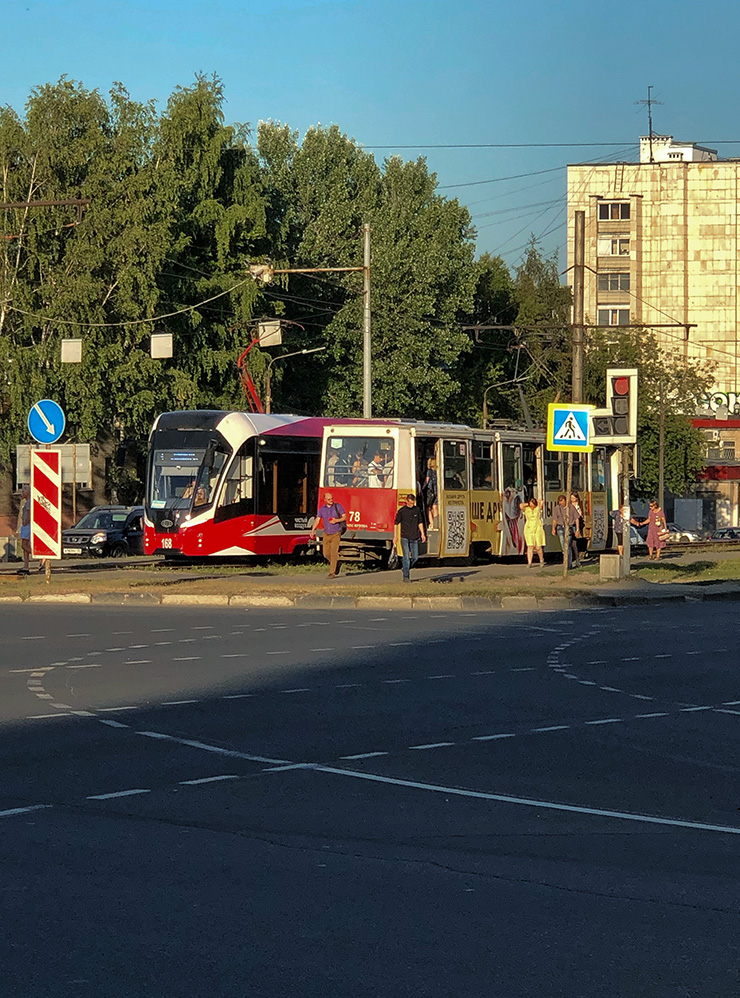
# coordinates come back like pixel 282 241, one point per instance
pixel 649 104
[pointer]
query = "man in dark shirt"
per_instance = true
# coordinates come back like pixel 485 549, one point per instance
pixel 410 530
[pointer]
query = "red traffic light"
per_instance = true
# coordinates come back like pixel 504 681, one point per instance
pixel 621 386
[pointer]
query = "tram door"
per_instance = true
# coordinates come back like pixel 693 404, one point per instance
pixel 427 489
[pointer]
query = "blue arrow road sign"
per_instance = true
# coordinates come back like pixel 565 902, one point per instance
pixel 569 427
pixel 46 421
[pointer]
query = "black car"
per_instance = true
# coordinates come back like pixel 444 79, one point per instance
pixel 107 532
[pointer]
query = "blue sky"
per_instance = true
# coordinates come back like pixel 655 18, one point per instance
pixel 410 73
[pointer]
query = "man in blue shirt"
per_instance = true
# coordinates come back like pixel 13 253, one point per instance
pixel 332 517
pixel 410 530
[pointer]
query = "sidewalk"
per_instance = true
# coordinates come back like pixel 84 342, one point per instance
pixel 511 586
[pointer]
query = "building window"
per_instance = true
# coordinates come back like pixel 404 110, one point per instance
pixel 614 316
pixel 613 246
pixel 614 211
pixel 618 281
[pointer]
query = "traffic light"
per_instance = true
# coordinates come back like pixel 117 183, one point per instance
pixel 617 423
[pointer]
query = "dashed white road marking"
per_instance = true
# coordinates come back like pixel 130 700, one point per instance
pixel 321 649
pixel 90 665
pixel 302 689
pixel 112 724
pixel 364 755
pixel 112 709
pixel 41 717
pixel 235 654
pixel 388 682
pixel 119 793
pixel 188 658
pixel 431 745
pixel 606 720
pixel 237 696
pixel 24 810
pixel 208 779
pixel 491 738
pixel 553 727
pixel 177 703
pixel 657 713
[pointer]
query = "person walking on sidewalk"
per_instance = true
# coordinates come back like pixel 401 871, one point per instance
pixel 575 528
pixel 534 532
pixel 332 517
pixel 23 528
pixel 410 530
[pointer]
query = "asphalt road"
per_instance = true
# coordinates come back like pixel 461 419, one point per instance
pixel 265 804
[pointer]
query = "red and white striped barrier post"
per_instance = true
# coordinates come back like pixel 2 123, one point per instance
pixel 46 505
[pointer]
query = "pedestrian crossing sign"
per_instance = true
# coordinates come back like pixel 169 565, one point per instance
pixel 569 427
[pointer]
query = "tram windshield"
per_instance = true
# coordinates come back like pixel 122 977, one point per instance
pixel 180 478
pixel 359 462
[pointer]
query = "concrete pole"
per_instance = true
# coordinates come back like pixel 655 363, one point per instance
pixel 578 311
pixel 367 370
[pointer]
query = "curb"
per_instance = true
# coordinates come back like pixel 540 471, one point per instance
pixel 511 604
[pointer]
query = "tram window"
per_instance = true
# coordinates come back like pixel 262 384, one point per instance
pixel 484 467
pixel 238 489
pixel 359 462
pixel 554 472
pixel 455 463
pixel 579 473
pixel 598 470
pixel 512 466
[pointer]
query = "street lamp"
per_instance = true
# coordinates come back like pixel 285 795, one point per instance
pixel 268 372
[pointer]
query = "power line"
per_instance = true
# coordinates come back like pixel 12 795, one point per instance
pixel 501 145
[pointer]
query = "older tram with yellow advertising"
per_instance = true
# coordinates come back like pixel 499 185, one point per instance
pixel 482 477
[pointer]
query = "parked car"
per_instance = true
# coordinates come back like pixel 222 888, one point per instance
pixel 679 535
pixel 726 534
pixel 107 532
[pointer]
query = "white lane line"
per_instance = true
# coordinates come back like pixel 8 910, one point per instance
pixel 44 696
pixel 610 689
pixel 24 810
pixel 528 668
pixel 361 647
pixel 88 666
pixel 186 641
pixel 648 819
pixel 606 720
pixel 658 713
pixel 33 637
pixel 402 644
pixel 634 658
pixel 120 793
pixel 484 672
pixel 33 672
pixel 111 709
pixel 364 755
pixel 207 779
pixel 213 748
pixel 730 703
pixel 490 738
pixel 112 724
pixel 121 632
pixel 138 661
pixel 641 696
pixel 235 654
pixel 587 682
pixel 176 703
pixel 390 682
pixel 347 686
pixel 188 658
pixel 64 706
pixel 81 713
pixel 160 643
pixel 302 689
pixel 553 727
pixel 688 710
pixel 237 696
pixel 115 649
pixel 82 634
pixel 720 710
pixel 597 661
pixel 663 656
pixel 447 675
pixel 693 653
pixel 321 649
pixel 40 717
pixel 137 646
pixel 202 627
pixel 431 745
pixel 277 653
pixel 159 630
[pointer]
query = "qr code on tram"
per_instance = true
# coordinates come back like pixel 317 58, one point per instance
pixel 456 530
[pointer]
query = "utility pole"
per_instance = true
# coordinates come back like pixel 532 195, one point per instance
pixel 367 361
pixel 579 239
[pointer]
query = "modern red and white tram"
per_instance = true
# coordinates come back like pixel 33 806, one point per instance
pixel 231 484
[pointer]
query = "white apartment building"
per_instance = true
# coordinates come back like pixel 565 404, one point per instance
pixel 661 248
